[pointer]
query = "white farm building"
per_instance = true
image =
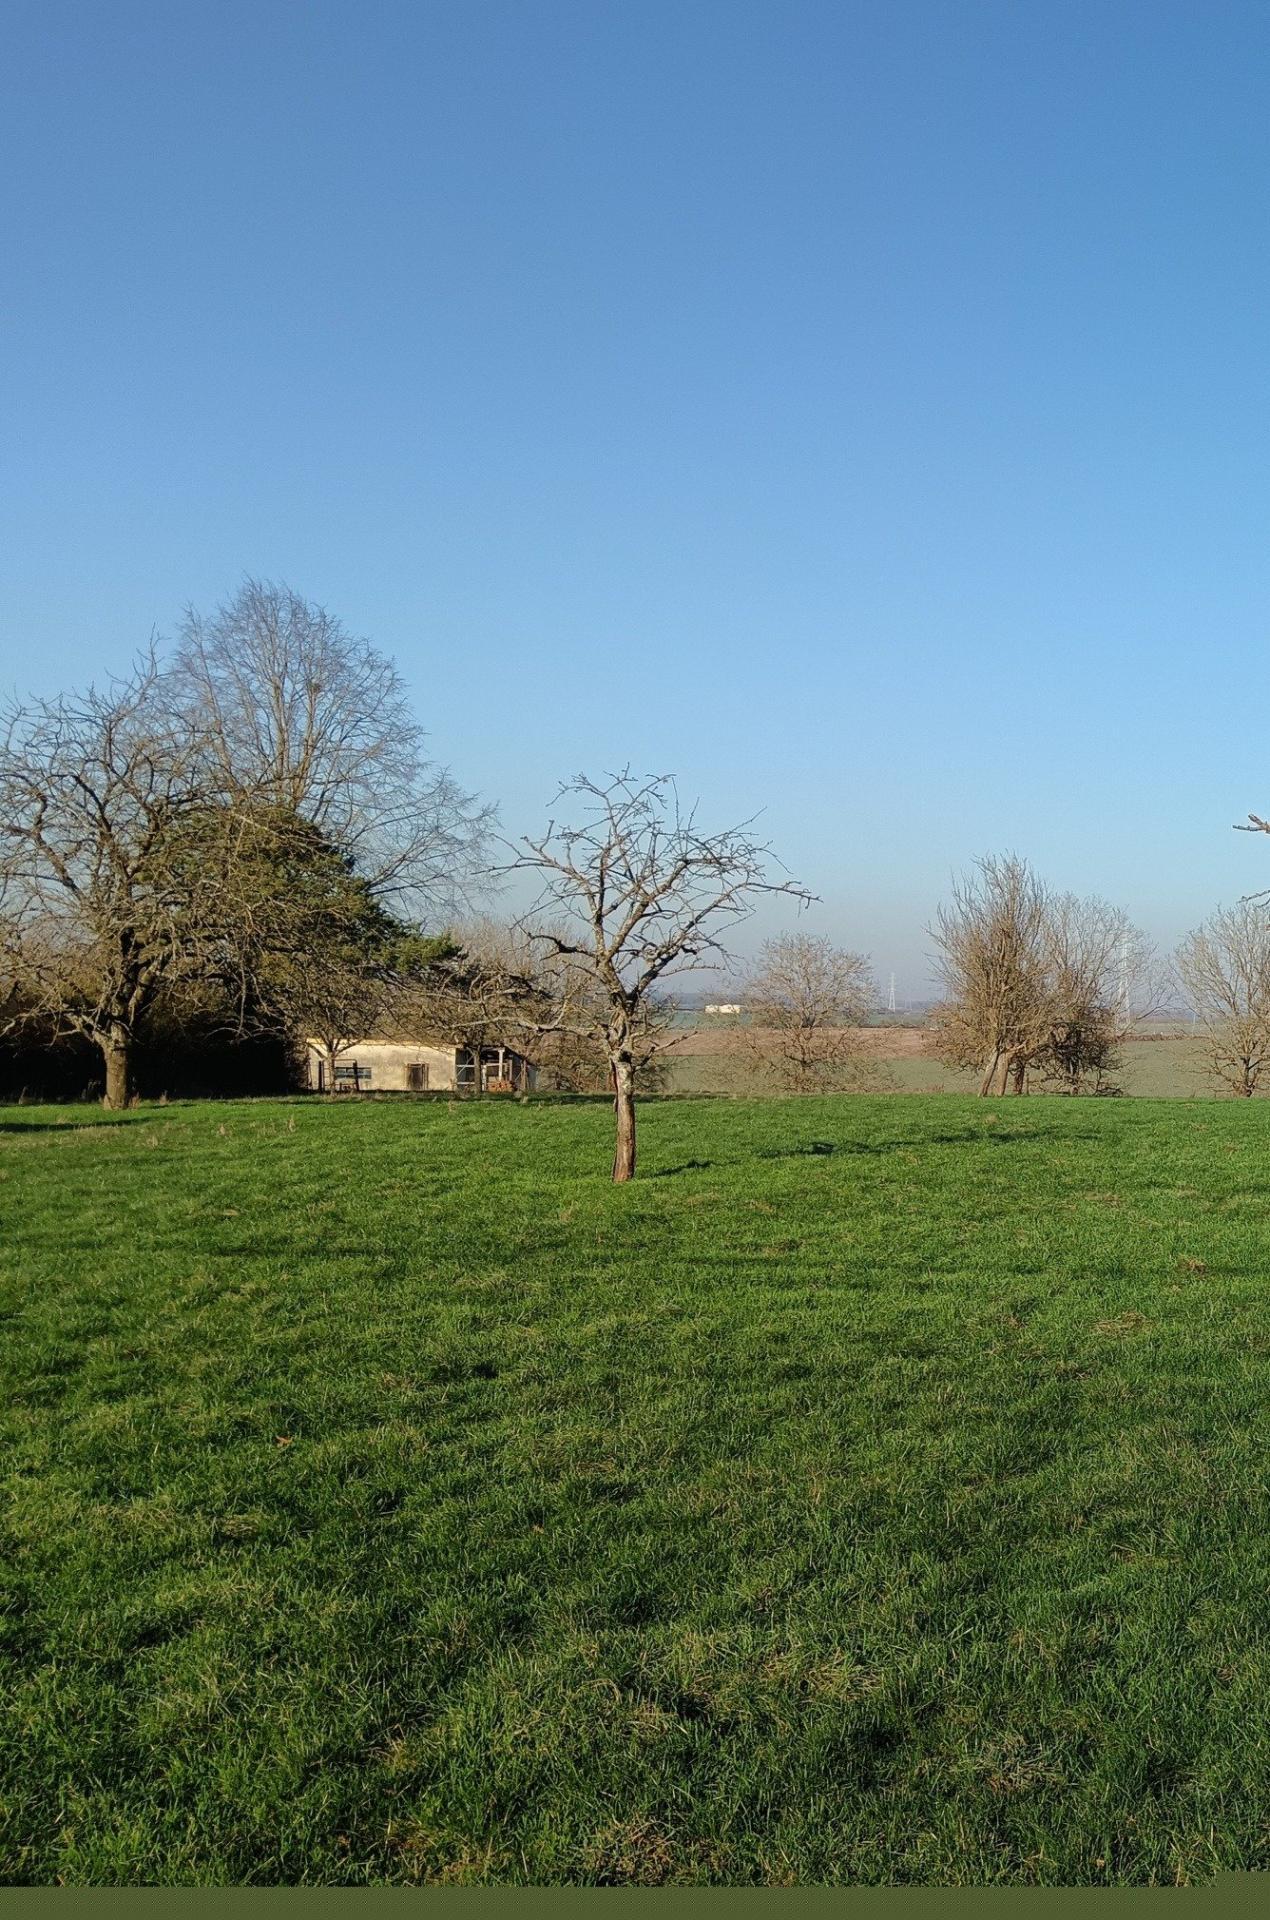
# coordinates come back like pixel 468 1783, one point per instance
pixel 400 1066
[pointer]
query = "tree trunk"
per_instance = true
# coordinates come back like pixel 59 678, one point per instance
pixel 116 1049
pixel 988 1084
pixel 1019 1071
pixel 624 1108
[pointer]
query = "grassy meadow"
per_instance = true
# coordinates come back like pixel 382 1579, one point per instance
pixel 876 1490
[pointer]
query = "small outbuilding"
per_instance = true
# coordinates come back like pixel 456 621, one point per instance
pixel 399 1066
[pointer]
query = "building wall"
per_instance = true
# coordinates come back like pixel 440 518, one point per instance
pixel 387 1063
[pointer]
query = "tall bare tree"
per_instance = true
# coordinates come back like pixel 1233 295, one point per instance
pixel 1036 981
pixel 634 892
pixel 991 942
pixel 102 796
pixel 218 820
pixel 486 991
pixel 1101 978
pixel 806 1001
pixel 503 987
pixel 576 1060
pixel 304 717
pixel 1225 968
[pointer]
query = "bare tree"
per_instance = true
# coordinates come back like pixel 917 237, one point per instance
pixel 574 1062
pixel 1101 978
pixel 502 987
pixel 237 819
pixel 303 717
pixel 1037 981
pixel 1254 824
pixel 575 1058
pixel 806 1001
pixel 334 1005
pixel 1225 968
pixel 330 994
pixel 102 798
pixel 486 992
pixel 991 942
pixel 641 893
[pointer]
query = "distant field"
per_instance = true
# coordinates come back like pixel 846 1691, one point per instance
pixel 1159 1063
pixel 874 1491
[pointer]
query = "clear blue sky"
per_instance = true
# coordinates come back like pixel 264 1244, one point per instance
pixel 862 410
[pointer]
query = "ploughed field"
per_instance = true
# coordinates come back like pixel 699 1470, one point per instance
pixel 878 1489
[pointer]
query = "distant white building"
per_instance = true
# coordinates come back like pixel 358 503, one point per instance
pixel 724 1006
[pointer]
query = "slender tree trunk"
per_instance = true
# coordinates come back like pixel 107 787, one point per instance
pixel 116 1050
pixel 1019 1070
pixel 624 1108
pixel 988 1084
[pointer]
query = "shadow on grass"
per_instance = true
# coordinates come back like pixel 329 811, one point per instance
pixel 871 1149
pixel 913 1143
pixel 809 1149
pixel 101 1119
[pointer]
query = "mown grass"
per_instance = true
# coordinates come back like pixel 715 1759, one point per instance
pixel 877 1490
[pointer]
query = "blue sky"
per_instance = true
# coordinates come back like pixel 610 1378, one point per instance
pixel 861 410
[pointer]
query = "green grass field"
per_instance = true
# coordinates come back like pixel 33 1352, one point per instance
pixel 877 1490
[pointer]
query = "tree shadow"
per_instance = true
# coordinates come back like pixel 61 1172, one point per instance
pixel 816 1149
pixel 73 1126
pixel 875 1149
pixel 913 1143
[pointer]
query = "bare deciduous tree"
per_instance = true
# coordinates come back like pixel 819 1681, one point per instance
pixel 1225 968
pixel 806 1001
pixel 991 959
pixel 575 1062
pixel 342 1000
pixel 487 991
pixel 303 717
pixel 101 795
pixel 634 892
pixel 1101 978
pixel 219 821
pixel 1036 981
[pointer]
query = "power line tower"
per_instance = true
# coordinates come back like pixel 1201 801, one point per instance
pixel 890 998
